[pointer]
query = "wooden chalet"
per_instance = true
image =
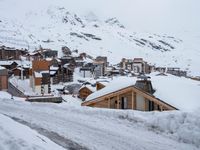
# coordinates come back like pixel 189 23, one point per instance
pixel 84 92
pixel 3 78
pixel 42 54
pixel 127 96
pixel 48 53
pixel 40 80
pixel 9 64
pixel 67 60
pixel 19 70
pixel 34 56
pixel 10 53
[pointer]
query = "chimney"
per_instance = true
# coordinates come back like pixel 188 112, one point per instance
pixel 144 83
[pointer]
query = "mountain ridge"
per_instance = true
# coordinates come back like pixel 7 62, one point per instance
pixel 56 26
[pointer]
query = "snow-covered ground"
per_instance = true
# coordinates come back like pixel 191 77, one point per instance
pixel 93 128
pixel 15 136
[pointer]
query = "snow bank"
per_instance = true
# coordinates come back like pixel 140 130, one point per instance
pixel 181 126
pixel 92 126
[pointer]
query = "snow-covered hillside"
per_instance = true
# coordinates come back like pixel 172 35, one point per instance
pixel 115 29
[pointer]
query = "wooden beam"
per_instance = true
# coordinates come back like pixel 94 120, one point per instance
pixel 109 105
pixel 146 104
pixel 118 102
pixel 133 100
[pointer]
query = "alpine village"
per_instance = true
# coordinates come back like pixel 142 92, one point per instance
pixel 41 76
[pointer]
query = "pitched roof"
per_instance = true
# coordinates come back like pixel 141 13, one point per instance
pixel 180 92
pixel 6 62
pixel 114 85
pixel 91 88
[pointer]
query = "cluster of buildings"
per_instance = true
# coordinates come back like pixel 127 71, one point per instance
pixel 139 66
pixel 43 68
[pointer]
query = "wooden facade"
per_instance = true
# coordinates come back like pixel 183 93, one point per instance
pixel 40 80
pixel 18 72
pixel 9 64
pixel 129 98
pixel 3 79
pixel 84 92
pixel 8 53
pixel 99 86
pixel 40 65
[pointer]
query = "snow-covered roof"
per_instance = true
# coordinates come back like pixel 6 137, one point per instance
pixel 114 85
pixel 2 68
pixel 49 59
pixel 80 61
pixel 179 92
pixel 90 87
pixel 6 62
pixel 54 68
pixel 52 72
pixel 105 81
pixel 38 74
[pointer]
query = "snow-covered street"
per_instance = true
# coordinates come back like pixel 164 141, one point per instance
pixel 101 129
pixel 12 137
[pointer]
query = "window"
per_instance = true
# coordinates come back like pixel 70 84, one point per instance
pixel 124 103
pixel 151 105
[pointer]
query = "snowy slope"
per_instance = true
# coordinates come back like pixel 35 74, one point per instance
pixel 160 37
pixel 99 129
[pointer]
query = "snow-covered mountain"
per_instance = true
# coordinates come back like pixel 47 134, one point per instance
pixel 163 33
